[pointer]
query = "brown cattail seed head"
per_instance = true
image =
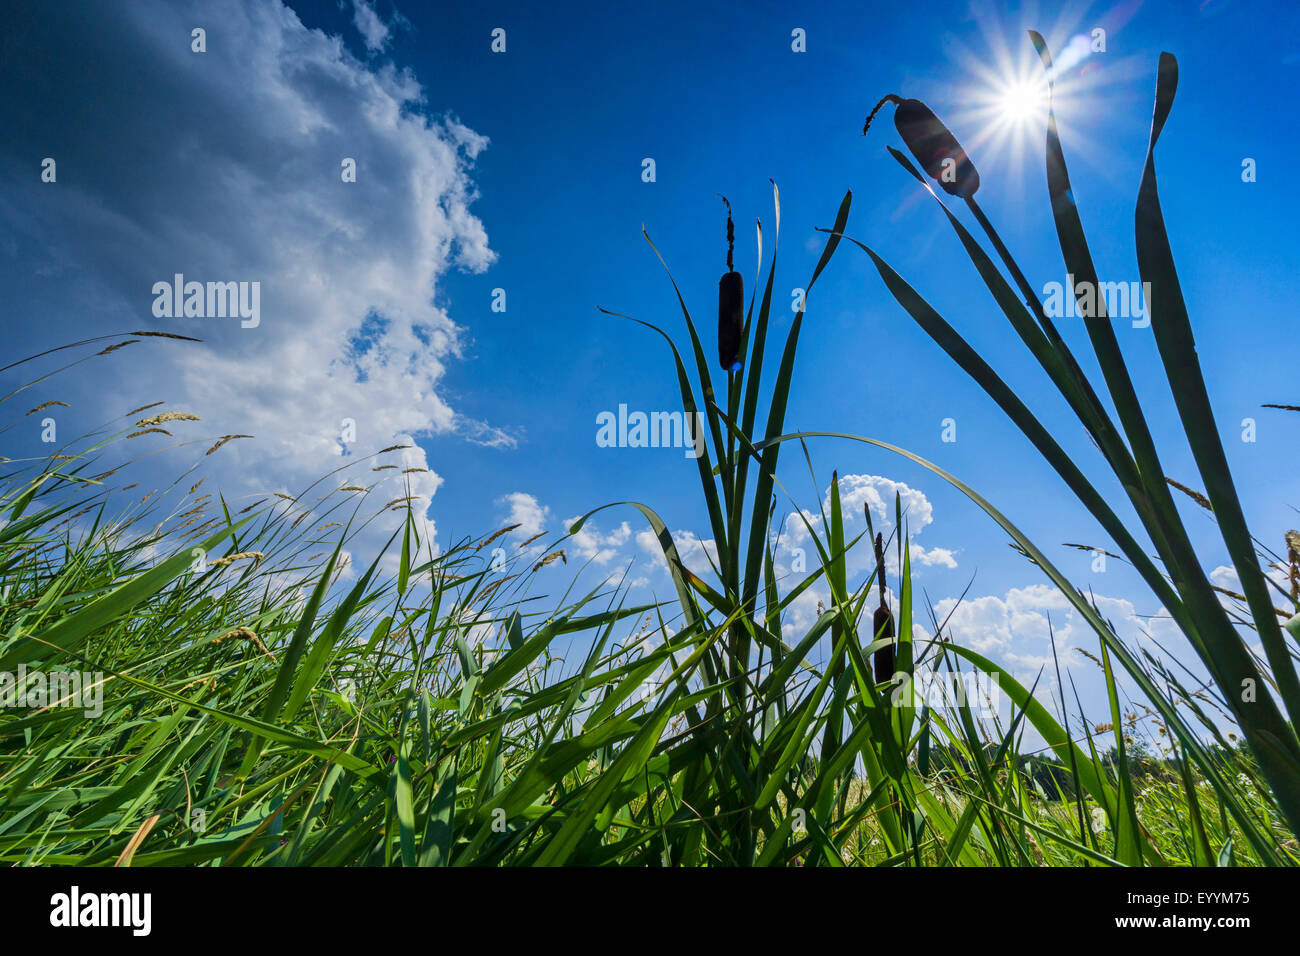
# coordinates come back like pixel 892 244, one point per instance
pixel 731 307
pixel 934 147
pixel 883 623
pixel 882 627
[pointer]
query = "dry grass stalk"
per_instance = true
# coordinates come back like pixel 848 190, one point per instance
pixel 166 335
pixel 1196 496
pixel 167 417
pixel 116 346
pixel 222 440
pixel 45 405
pixel 240 556
pixel 245 634
pixel 488 540
pixel 550 558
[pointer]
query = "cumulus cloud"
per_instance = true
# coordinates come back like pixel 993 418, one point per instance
pixel 1017 627
pixel 858 492
pixel 527 512
pixel 1021 615
pixel 597 546
pixel 226 166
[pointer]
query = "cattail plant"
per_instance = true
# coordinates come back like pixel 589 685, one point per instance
pixel 731 306
pixel 934 147
pixel 883 622
pixel 1178 581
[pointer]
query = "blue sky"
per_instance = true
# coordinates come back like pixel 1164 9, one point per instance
pixel 529 173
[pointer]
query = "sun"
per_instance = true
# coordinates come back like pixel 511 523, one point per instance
pixel 999 108
pixel 1021 101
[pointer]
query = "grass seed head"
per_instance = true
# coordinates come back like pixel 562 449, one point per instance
pixel 221 441
pixel 166 417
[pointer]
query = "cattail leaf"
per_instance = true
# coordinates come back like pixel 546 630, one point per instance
pixel 1043 342
pixel 1205 623
pixel 978 369
pixel 1173 333
pixel 776 415
pixel 753 380
pixel 1226 654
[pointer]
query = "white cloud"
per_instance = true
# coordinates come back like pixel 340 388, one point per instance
pixel 935 557
pixel 695 553
pixel 527 512
pixel 991 623
pixel 240 181
pixel 1226 577
pixel 1016 628
pixel 374 31
pixel 858 492
pixel 596 546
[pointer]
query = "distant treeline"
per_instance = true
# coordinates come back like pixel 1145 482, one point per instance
pixel 1052 779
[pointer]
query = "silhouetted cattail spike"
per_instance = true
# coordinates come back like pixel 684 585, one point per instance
pixel 731 306
pixel 883 622
pixel 934 147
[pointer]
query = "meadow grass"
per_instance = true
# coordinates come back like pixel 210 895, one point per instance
pixel 267 711
pixel 266 700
